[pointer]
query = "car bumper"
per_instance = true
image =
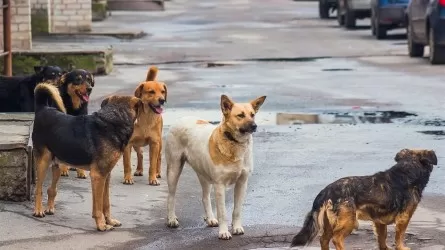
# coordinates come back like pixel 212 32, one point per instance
pixel 392 14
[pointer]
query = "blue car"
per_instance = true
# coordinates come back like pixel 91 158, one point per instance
pixel 387 15
pixel 426 27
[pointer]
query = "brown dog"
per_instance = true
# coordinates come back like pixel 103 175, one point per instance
pixel 384 198
pixel 148 129
pixel 93 142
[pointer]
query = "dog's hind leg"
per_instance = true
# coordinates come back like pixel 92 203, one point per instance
pixel 128 179
pixel 381 232
pixel 239 196
pixel 155 151
pixel 220 195
pixel 206 187
pixel 107 211
pixel 140 168
pixel 52 190
pixel 175 164
pixel 64 170
pixel 98 180
pixel 43 159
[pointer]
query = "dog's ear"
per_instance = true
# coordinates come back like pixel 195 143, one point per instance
pixel 402 154
pixel 104 102
pixel 256 104
pixel 138 91
pixel 429 156
pixel 38 69
pixel 165 95
pixel 226 105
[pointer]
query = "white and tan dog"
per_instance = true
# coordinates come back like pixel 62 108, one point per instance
pixel 220 155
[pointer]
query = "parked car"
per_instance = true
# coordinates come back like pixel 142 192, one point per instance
pixel 387 15
pixel 348 11
pixel 326 6
pixel 426 27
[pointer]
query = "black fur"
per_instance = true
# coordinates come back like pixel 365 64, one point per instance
pixel 17 92
pixel 76 77
pixel 384 193
pixel 76 140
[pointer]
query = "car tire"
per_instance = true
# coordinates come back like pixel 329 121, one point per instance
pixel 414 49
pixel 350 20
pixel 323 9
pixel 437 52
pixel 380 31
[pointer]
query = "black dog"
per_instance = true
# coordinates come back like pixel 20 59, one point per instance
pixel 17 92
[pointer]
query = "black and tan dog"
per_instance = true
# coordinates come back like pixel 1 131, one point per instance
pixel 92 142
pixel 75 88
pixel 384 198
pixel 17 92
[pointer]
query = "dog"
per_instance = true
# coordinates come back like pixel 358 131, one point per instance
pixel 384 198
pixel 148 130
pixel 75 88
pixel 220 155
pixel 17 92
pixel 92 142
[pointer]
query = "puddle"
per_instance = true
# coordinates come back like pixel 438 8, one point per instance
pixel 341 117
pixel 438 134
pixel 337 69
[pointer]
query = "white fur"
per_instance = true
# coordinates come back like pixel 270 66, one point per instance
pixel 189 141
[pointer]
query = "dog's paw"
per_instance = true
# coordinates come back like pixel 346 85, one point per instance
pixel 38 213
pixel 154 182
pixel 50 211
pixel 113 222
pixel 212 222
pixel 104 227
pixel 138 173
pixel 128 181
pixel 224 235
pixel 81 175
pixel 64 173
pixel 173 222
pixel 237 230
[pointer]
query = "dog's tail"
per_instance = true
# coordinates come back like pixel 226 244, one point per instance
pixel 46 94
pixel 313 224
pixel 152 73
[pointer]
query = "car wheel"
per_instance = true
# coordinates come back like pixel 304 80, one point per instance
pixel 323 9
pixel 380 31
pixel 350 20
pixel 414 49
pixel 437 52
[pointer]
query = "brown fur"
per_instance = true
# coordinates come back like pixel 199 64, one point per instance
pixel 236 116
pixel 148 130
pixel 105 154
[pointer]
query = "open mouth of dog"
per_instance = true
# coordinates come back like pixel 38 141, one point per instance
pixel 84 97
pixel 156 108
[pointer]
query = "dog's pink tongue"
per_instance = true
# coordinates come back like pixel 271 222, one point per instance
pixel 159 110
pixel 85 98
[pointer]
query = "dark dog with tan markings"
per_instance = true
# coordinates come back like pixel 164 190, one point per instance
pixel 148 130
pixel 384 198
pixel 91 142
pixel 75 88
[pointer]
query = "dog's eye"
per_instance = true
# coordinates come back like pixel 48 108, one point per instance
pixel 252 115
pixel 151 92
pixel 163 92
pixel 241 115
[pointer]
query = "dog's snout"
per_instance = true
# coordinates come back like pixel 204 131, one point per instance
pixel 253 126
pixel 161 101
pixel 89 89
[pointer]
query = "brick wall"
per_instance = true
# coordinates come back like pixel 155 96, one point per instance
pixel 40 21
pixel 20 25
pixel 70 16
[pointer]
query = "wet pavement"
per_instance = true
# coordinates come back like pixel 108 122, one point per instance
pixel 305 66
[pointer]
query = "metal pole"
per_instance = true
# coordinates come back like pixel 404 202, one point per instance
pixel 7 37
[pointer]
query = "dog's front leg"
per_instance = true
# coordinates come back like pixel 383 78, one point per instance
pixel 107 213
pixel 239 196
pixel 98 181
pixel 128 179
pixel 220 195
pixel 155 151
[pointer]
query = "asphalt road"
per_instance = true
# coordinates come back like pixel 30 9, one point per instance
pixel 276 48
